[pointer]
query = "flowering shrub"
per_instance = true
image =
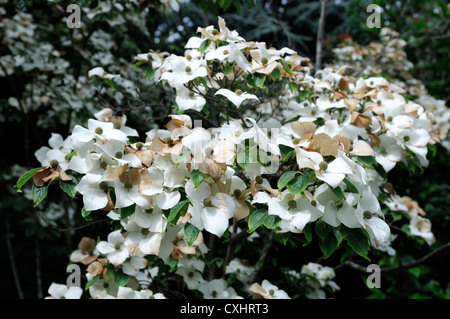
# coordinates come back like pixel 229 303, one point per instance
pixel 255 150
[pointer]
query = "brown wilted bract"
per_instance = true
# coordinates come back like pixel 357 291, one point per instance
pixel 360 119
pixel 49 174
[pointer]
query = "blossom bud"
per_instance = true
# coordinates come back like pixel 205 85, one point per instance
pixel 207 202
pixel 54 163
pixel 168 140
pixel 128 186
pixel 292 204
pixel 103 186
pixel 339 205
pixel 139 145
pixel 103 165
pixel 323 165
pixel 367 214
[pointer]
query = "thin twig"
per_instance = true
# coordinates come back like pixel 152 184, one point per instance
pixel 411 264
pixel 12 261
pixel 320 31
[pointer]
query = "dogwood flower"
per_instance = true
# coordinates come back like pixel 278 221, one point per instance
pixel 268 291
pixel 59 291
pixel 114 248
pixel 236 97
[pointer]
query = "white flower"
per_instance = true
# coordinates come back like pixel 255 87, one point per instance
pixel 236 97
pixel 114 248
pixel 59 150
pixel 59 291
pixel 98 71
pixel 268 291
pixel 209 211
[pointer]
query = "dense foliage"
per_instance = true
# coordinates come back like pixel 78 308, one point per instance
pixel 178 161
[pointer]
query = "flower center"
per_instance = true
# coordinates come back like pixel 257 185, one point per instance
pixel 323 165
pixel 214 32
pixel 103 165
pixel 295 141
pixel 188 69
pixel 313 203
pixel 117 126
pixel 191 94
pixel 238 92
pixel 264 60
pixel 207 202
pixel 226 52
pixel 259 180
pixel 367 214
pixel 145 231
pixel 118 155
pixel 103 186
pixel 389 119
pixel 98 131
pixel 188 57
pixel 139 145
pixel 292 204
pixel 54 163
pixel 406 138
pixel 214 294
pixel 128 186
pixel 168 140
pixel 271 292
pixel 237 193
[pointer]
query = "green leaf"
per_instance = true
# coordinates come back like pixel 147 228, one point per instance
pixel 120 278
pixel 337 191
pixel 190 233
pixel 175 211
pixel 272 222
pixel 138 64
pixel 38 194
pixel 172 263
pixel 91 282
pixel 308 234
pixel 359 243
pixel 322 229
pixel 350 187
pixel 127 211
pixel 275 75
pixel 293 87
pixel 85 214
pixel 205 44
pixel 285 66
pixel 328 245
pixel 69 187
pixel 285 179
pixel 197 177
pixel 259 79
pixel 256 219
pixel 297 185
pixel 24 179
pixel 69 157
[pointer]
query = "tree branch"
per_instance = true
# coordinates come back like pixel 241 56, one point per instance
pixel 412 264
pixel 320 31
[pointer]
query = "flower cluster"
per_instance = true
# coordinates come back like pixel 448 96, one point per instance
pixel 284 150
